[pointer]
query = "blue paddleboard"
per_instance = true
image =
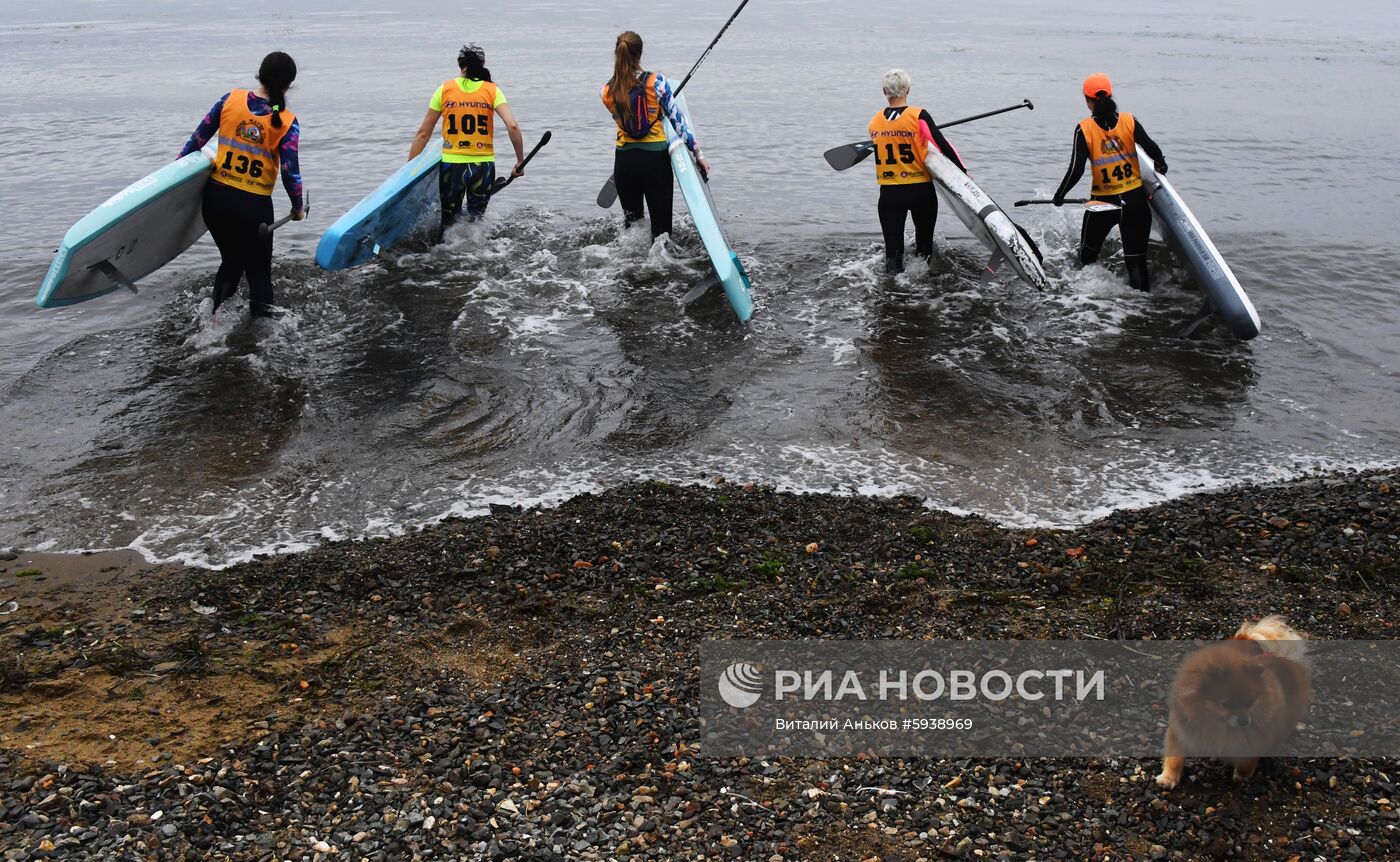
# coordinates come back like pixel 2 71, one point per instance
pixel 131 235
pixel 402 205
pixel 696 192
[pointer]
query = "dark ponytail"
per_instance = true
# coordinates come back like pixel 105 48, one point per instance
pixel 276 74
pixel 472 61
pixel 1105 110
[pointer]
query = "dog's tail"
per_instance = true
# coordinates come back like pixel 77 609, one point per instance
pixel 1276 636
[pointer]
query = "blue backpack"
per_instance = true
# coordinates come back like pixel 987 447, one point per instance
pixel 634 118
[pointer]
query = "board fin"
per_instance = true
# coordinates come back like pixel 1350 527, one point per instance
pixel 710 283
pixel 1196 322
pixel 993 265
pixel 116 276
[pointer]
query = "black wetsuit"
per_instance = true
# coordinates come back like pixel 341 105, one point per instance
pixel 898 202
pixel 644 175
pixel 1135 215
pixel 234 218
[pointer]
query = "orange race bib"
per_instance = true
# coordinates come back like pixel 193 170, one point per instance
pixel 900 148
pixel 469 120
pixel 1113 156
pixel 247 157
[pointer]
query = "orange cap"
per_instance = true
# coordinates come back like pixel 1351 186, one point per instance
pixel 1096 82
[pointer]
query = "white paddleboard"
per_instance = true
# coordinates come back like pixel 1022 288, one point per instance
pixel 992 226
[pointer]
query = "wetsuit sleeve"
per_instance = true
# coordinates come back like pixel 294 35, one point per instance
pixel 673 111
pixel 1148 145
pixel 207 128
pixel 935 134
pixel 1077 161
pixel 288 151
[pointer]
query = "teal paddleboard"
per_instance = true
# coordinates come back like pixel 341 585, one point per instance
pixel 728 268
pixel 132 234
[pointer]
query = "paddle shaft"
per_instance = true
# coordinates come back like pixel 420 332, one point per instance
pixel 860 149
pixel 1089 204
pixel 1025 103
pixel 265 230
pixel 608 195
pixel 713 43
pixel 544 139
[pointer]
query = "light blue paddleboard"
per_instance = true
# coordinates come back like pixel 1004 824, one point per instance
pixel 131 235
pixel 696 191
pixel 402 205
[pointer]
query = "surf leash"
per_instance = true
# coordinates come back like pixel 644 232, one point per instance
pixel 607 195
pixel 849 155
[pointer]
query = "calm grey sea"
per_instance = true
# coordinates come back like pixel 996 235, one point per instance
pixel 544 353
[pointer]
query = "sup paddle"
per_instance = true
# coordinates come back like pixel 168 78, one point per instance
pixel 502 182
pixel 607 195
pixel 1090 205
pixel 265 230
pixel 849 155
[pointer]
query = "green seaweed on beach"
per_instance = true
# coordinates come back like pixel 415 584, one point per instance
pixel 28 573
pixel 770 567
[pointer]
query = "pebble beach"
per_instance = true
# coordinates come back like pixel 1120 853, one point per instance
pixel 525 685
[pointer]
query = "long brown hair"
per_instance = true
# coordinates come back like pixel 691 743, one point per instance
pixel 627 64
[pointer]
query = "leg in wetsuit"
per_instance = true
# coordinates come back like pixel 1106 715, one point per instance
pixel 1135 222
pixel 645 176
pixel 469 182
pixel 233 217
pixel 897 201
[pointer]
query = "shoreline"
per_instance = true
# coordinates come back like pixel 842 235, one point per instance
pixel 525 682
pixel 94 560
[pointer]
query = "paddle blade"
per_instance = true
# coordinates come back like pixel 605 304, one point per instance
pixel 848 155
pixel 607 195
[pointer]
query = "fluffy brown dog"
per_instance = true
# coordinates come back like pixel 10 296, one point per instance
pixel 1238 700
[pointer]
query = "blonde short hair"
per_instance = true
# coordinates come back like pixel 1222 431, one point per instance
pixel 896 84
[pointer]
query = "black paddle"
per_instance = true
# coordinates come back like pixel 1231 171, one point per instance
pixel 265 230
pixel 502 182
pixel 850 155
pixel 607 195
pixel 1089 204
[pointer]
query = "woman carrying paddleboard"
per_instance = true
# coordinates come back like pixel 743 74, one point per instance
pixel 258 139
pixel 641 165
pixel 468 106
pixel 1109 142
pixel 901 134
